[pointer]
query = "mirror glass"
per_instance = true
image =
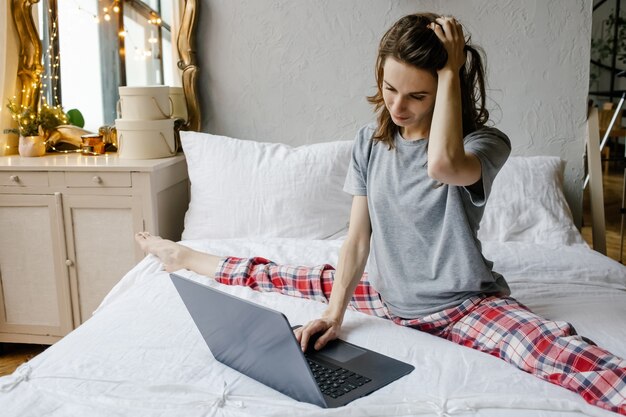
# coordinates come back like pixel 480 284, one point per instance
pixel 91 47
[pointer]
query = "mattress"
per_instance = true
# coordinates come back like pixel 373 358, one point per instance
pixel 141 355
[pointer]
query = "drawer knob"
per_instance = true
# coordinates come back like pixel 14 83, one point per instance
pixel 69 262
pixel 14 178
pixel 96 179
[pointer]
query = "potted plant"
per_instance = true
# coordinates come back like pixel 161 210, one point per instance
pixel 34 127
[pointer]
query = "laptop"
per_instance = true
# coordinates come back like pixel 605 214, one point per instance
pixel 259 342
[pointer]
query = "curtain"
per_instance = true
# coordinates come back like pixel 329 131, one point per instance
pixel 8 74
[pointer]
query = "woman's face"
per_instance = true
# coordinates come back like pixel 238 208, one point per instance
pixel 409 95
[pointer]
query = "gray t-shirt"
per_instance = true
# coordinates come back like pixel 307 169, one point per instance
pixel 425 255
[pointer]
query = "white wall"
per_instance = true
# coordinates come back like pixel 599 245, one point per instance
pixel 298 71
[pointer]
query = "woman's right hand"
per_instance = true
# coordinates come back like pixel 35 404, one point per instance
pixel 323 329
pixel 450 33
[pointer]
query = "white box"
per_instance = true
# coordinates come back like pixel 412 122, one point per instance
pixel 145 139
pixel 145 103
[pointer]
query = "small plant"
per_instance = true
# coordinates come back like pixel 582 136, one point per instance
pixel 49 118
pixel 33 123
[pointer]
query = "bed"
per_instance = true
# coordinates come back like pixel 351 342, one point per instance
pixel 141 355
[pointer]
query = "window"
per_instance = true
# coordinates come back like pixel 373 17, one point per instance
pixel 90 48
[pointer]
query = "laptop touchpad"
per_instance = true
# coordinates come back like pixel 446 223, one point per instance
pixel 341 352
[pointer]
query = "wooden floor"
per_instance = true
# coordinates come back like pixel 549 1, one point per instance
pixel 12 355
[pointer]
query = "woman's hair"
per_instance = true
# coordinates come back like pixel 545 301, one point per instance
pixel 412 42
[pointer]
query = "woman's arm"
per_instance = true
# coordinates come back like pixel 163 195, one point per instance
pixel 447 160
pixel 352 259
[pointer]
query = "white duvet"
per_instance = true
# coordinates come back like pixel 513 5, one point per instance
pixel 141 355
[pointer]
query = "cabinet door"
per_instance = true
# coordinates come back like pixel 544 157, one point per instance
pixel 101 247
pixel 35 297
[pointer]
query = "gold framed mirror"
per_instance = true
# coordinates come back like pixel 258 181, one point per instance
pixel 30 66
pixel 188 64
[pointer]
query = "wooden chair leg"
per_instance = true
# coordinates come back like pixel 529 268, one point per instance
pixel 606 154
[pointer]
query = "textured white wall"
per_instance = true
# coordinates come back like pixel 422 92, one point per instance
pixel 298 71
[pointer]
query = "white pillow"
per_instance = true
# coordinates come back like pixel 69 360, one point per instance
pixel 527 204
pixel 242 188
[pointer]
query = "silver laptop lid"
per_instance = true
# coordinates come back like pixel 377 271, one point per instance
pixel 250 338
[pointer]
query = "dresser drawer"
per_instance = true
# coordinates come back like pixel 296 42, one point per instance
pixel 98 179
pixel 23 179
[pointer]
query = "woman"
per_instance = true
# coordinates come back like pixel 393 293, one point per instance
pixel 420 177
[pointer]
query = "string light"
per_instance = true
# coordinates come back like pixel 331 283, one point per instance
pixel 93 15
pixel 114 7
pixel 53 64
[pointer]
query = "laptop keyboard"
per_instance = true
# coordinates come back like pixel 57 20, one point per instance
pixel 335 381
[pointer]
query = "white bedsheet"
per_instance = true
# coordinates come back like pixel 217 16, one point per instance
pixel 141 355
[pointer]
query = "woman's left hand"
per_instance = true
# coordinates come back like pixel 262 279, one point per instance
pixel 450 32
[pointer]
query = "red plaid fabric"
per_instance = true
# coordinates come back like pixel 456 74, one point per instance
pixel 314 283
pixel 500 326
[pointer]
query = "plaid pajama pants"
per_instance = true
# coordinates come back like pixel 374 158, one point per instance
pixel 500 326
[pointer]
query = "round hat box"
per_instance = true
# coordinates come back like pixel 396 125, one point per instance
pixel 145 103
pixel 145 139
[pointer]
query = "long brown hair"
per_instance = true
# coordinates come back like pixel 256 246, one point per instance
pixel 411 41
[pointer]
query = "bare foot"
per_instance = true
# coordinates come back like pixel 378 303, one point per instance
pixel 171 254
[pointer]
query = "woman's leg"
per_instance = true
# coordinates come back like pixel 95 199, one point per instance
pixel 298 281
pixel 548 349
pixel 175 256
pixel 261 274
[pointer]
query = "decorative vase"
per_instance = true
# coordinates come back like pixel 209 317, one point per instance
pixel 32 146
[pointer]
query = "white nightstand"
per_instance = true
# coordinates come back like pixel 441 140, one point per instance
pixel 67 225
